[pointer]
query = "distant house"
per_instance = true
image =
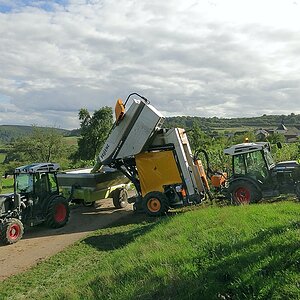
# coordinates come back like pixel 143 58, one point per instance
pixel 281 129
pixel 291 134
pixel 261 134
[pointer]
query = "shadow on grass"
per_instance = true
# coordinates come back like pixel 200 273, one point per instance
pixel 108 242
pixel 125 231
pixel 249 269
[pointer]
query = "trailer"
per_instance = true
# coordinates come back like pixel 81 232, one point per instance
pixel 86 188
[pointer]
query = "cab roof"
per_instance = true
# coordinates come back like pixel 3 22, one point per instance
pixel 38 167
pixel 246 148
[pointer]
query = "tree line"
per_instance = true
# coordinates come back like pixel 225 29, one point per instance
pixel 50 145
pixel 210 124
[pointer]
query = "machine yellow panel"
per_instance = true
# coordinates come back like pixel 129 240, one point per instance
pixel 157 169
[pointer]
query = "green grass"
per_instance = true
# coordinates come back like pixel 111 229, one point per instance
pixel 7 185
pixel 71 140
pixel 2 157
pixel 246 252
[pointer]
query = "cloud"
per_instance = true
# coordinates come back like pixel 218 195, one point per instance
pixel 208 58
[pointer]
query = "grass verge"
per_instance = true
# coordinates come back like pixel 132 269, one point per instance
pixel 249 252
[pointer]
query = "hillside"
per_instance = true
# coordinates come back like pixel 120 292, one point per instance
pixel 9 133
pixel 245 252
pixel 214 123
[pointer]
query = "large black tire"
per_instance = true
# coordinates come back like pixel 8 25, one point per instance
pixel 58 212
pixel 243 192
pixel 11 231
pixel 155 204
pixel 120 198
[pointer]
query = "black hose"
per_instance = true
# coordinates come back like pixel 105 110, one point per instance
pixel 142 97
pixel 209 171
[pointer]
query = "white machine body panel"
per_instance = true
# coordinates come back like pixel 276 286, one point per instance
pixel 173 136
pixel 132 133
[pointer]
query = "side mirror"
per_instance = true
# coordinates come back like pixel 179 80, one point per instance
pixel 279 145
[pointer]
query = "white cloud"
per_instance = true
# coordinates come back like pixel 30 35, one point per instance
pixel 206 58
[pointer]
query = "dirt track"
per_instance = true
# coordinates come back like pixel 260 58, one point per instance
pixel 41 242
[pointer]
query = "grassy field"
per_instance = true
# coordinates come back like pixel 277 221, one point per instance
pixel 7 185
pixel 71 140
pixel 2 157
pixel 246 252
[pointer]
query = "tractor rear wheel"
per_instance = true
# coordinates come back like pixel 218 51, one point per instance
pixel 11 231
pixel 120 198
pixel 155 204
pixel 243 192
pixel 58 212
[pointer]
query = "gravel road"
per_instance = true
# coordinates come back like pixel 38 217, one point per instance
pixel 40 242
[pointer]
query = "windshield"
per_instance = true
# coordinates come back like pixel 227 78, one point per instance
pixel 251 164
pixel 269 159
pixel 24 183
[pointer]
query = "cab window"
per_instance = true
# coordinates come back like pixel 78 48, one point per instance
pixel 239 167
pixel 52 182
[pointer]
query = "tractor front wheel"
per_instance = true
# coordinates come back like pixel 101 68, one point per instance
pixel 155 204
pixel 120 198
pixel 11 231
pixel 58 212
pixel 243 193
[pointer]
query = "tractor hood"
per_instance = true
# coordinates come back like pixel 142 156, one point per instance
pixel 286 165
pixel 290 166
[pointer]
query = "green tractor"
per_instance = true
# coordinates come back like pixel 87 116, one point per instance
pixel 36 199
pixel 255 175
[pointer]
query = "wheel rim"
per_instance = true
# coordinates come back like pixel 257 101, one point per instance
pixel 242 195
pixel 123 198
pixel 14 231
pixel 60 212
pixel 154 205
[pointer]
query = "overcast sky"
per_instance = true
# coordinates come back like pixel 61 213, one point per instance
pixel 224 58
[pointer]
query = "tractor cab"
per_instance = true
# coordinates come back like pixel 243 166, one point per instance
pixel 36 182
pixel 251 160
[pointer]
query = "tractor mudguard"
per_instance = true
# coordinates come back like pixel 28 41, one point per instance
pixel 257 184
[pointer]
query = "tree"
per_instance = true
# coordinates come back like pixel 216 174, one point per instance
pixel 94 130
pixel 241 138
pixel 42 145
pixel 275 138
pixel 198 139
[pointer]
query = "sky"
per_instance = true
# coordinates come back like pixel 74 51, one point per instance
pixel 223 58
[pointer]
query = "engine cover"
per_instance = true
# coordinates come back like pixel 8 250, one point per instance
pixel 6 204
